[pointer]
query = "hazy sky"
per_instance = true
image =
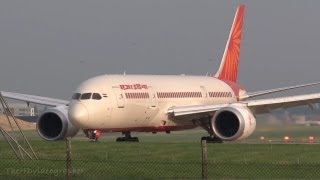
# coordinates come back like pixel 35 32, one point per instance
pixel 48 47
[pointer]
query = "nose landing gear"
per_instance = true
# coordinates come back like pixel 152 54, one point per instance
pixel 93 134
pixel 127 138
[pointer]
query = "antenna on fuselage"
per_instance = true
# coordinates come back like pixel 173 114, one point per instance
pixel 124 72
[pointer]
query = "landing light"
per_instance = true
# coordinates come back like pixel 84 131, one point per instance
pixel 311 139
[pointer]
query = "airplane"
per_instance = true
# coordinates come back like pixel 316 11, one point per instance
pixel 164 103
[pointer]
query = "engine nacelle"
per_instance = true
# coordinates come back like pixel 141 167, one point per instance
pixel 233 123
pixel 54 124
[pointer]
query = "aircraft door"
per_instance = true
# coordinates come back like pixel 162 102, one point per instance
pixel 108 105
pixel 152 97
pixel 204 93
pixel 119 96
pixel 151 107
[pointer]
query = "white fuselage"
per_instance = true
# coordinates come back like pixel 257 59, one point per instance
pixel 140 102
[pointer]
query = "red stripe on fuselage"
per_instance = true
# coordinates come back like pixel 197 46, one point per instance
pixel 235 88
pixel 147 129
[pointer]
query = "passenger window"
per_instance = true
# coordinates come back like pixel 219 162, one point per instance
pixel 96 96
pixel 86 96
pixel 76 96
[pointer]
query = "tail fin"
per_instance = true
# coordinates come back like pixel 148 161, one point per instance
pixel 228 69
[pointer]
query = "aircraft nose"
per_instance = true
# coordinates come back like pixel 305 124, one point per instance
pixel 78 114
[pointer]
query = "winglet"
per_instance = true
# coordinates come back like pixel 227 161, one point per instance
pixel 228 69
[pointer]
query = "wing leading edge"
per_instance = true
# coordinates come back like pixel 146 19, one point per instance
pixel 34 99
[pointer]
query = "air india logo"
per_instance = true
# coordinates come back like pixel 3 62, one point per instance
pixel 231 61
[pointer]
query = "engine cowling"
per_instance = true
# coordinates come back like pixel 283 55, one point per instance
pixel 53 124
pixel 233 123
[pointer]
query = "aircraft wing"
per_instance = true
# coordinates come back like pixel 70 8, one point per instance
pixel 34 99
pixel 266 105
pixel 257 106
pixel 196 109
pixel 270 91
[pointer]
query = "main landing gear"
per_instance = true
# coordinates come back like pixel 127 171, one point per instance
pixel 127 138
pixel 211 139
pixel 205 123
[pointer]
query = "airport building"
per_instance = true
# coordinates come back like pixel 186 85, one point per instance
pixel 21 109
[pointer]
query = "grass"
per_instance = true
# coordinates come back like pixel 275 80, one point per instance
pixel 176 155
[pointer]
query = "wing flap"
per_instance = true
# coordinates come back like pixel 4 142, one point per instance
pixel 195 109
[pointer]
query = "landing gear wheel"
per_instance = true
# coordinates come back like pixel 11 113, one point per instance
pixel 211 139
pixel 94 135
pixel 120 139
pixel 134 139
pixel 127 138
pixel 124 139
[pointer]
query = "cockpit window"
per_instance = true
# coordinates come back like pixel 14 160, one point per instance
pixel 96 96
pixel 76 96
pixel 86 96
